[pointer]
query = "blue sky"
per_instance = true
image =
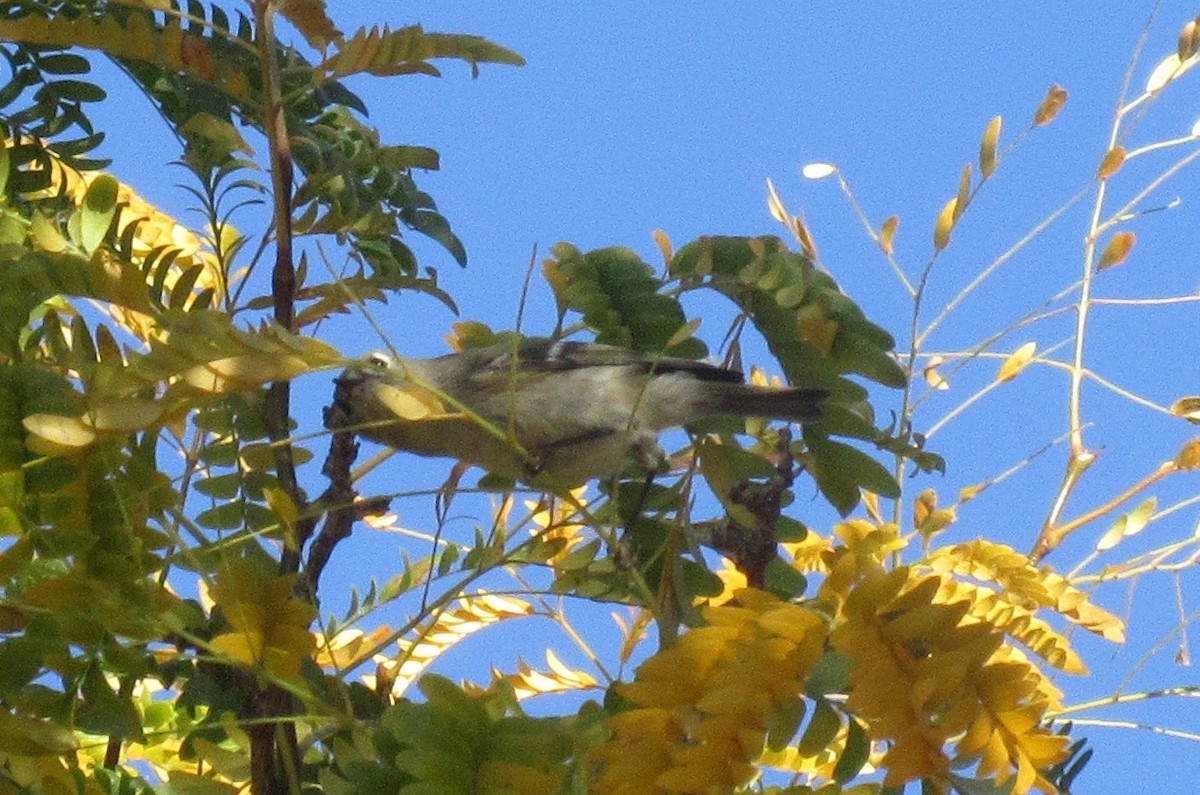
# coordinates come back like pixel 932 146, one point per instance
pixel 631 117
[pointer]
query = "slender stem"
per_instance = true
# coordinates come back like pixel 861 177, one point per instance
pixel 866 222
pixel 1058 532
pixel 999 261
pixel 1175 299
pixel 1187 691
pixel 1123 213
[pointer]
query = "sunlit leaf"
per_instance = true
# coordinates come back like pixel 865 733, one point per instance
pixel 1166 71
pixel 1188 457
pixel 774 205
pixel 887 233
pixel 99 208
pixel 932 376
pixel 1188 408
pixel 1111 162
pixel 53 434
pixel 408 403
pixel 1017 361
pixel 1053 102
pixel 817 170
pixel 1117 250
pixel 664 245
pixel 310 19
pixel 808 246
pixel 987 147
pixel 125 414
pixel 964 192
pixel 1189 40
pixel 945 224
pixel 1127 525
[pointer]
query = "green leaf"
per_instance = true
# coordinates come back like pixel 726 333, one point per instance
pixel 784 724
pixel 840 470
pixel 63 63
pixel 99 208
pixel 75 90
pixel 788 529
pixel 4 167
pixel 24 736
pixel 103 712
pixel 831 675
pixel 822 728
pixel 229 516
pixel 783 580
pixel 621 300
pixel 856 353
pixel 20 662
pixel 855 754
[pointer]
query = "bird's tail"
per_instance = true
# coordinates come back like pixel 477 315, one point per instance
pixel 795 404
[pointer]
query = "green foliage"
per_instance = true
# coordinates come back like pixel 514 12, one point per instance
pixel 147 441
pixel 817 334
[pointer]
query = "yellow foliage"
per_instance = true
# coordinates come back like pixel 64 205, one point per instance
pixel 808 556
pixel 154 230
pixel 925 669
pixel 526 681
pixel 1026 585
pixel 445 629
pixel 268 624
pixel 562 522
pixel 732 580
pixel 705 704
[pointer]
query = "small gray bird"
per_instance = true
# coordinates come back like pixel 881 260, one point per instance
pixel 560 412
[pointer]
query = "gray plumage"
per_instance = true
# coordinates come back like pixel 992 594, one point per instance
pixel 579 410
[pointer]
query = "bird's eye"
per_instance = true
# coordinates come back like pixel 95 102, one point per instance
pixel 378 360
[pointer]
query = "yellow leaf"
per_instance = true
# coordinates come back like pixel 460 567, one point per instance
pixel 1188 457
pixel 945 224
pixel 52 434
pixel 310 19
pixel 1111 162
pixel 236 373
pixel 808 246
pixel 408 403
pixel 269 624
pixel 774 205
pixel 816 329
pixel 46 234
pixel 1166 71
pixel 430 639
pixel 1117 250
pixel 1189 39
pixel 244 647
pixel 1055 98
pixel 124 414
pixel 923 506
pixel 887 233
pixel 1188 408
pixel 970 492
pixel 281 503
pixel 1016 362
pixel 664 245
pixel 345 650
pixel 987 147
pixel 964 192
pixel 932 376
pixel 1127 525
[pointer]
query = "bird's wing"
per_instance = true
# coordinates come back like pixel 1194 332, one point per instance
pixel 535 357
